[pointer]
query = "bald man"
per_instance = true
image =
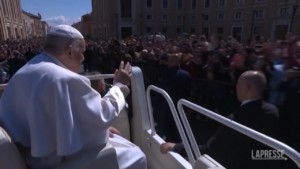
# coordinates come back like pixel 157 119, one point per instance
pixel 56 113
pixel 231 148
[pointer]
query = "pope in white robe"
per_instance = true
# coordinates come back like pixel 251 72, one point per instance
pixel 54 113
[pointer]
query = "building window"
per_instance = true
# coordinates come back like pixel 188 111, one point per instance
pixel 220 30
pixel 256 30
pixel 164 29
pixel 165 4
pixel 239 2
pixel 221 3
pixel 149 3
pixel 149 17
pixel 178 30
pixel 284 10
pixel 16 33
pixel 179 4
pixel 149 29
pixel 237 33
pixel 205 17
pixel 179 18
pixel 164 17
pixel 205 31
pixel 194 4
pixel 125 10
pixel 193 31
pixel 206 3
pixel 259 13
pixel 193 18
pixel 238 15
pixel 8 32
pixel 221 16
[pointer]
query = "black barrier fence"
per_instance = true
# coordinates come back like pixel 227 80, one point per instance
pixel 216 96
pixel 213 95
pixel 221 97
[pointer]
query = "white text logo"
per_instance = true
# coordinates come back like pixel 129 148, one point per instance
pixel 268 155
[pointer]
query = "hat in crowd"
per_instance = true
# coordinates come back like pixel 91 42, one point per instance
pixel 16 52
pixel 115 41
pixel 185 35
pixel 65 31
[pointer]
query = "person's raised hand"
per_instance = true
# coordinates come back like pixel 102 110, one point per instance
pixel 123 74
pixel 113 131
pixel 165 147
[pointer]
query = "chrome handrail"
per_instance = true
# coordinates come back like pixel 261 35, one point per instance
pixel 102 76
pixel 2 86
pixel 189 132
pixel 91 77
pixel 287 150
pixel 176 118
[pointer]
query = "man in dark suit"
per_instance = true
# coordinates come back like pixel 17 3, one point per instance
pixel 177 83
pixel 88 57
pixel 231 148
pixel 29 54
pixel 15 63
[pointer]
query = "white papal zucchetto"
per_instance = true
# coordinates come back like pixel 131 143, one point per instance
pixel 65 31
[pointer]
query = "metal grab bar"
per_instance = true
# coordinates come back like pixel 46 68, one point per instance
pixel 91 77
pixel 102 76
pixel 188 129
pixel 2 86
pixel 290 152
pixel 176 118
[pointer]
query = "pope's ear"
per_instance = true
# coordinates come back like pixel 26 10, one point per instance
pixel 69 50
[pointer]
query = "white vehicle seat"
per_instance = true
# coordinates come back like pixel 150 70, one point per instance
pixel 91 159
pixel 206 162
pixel 9 154
pixel 1 91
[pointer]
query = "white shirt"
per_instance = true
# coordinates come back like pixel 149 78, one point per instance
pixel 247 101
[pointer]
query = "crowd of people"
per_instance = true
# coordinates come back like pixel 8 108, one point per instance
pixel 206 71
pixel 15 53
pixel 215 65
pixel 200 69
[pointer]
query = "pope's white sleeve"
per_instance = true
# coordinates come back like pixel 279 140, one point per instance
pixel 114 97
pixel 87 106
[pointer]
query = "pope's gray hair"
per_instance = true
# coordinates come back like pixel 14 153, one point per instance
pixel 57 44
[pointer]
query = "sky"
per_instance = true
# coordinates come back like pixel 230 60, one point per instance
pixel 56 12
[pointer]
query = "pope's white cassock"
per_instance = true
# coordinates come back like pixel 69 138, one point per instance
pixel 57 114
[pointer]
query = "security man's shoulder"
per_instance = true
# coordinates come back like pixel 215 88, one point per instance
pixel 182 72
pixel 270 109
